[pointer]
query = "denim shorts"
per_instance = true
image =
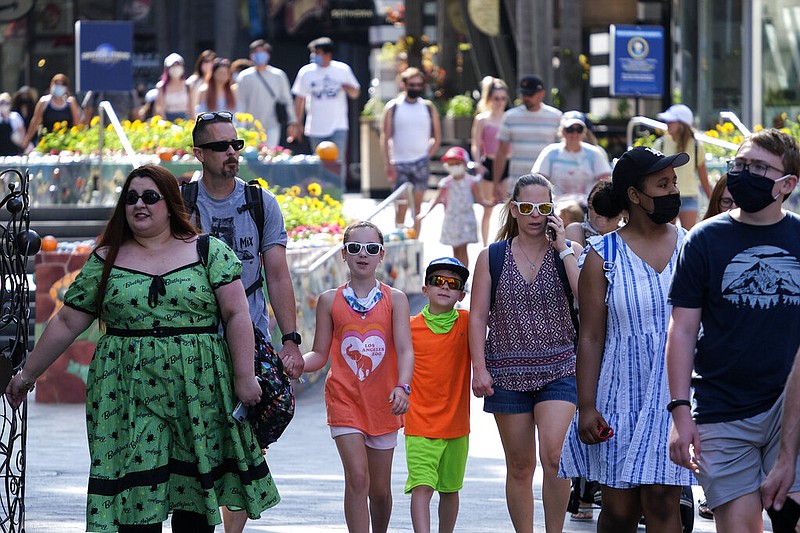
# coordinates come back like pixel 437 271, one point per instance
pixel 511 402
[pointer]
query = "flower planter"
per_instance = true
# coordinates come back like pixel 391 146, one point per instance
pixel 457 130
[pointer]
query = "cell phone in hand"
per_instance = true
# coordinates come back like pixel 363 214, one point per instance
pixel 240 412
pixel 785 520
pixel 551 233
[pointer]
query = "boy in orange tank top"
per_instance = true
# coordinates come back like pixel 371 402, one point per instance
pixel 363 328
pixel 437 423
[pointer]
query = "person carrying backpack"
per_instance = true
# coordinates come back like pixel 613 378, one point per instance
pixel 249 220
pixel 525 369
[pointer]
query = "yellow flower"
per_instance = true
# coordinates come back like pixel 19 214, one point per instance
pixel 314 189
pixel 729 127
pixel 94 121
pixel 262 182
pixel 713 133
pixel 295 190
pixel 759 127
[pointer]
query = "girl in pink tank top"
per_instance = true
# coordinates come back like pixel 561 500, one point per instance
pixel 363 328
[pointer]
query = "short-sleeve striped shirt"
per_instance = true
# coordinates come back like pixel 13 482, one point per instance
pixel 528 132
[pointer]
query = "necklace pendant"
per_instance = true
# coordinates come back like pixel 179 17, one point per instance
pixel 533 266
pixel 364 316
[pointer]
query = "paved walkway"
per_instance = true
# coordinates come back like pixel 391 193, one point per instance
pixel 304 463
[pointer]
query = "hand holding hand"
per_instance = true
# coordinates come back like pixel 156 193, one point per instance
pixel 399 400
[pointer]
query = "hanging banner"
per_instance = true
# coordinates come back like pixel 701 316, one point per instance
pixel 103 56
pixel 637 61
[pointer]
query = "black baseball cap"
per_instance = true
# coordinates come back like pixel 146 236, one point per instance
pixel 448 263
pixel 641 161
pixel 531 85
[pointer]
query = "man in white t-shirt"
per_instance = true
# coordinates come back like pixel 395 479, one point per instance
pixel 524 132
pixel 321 90
pixel 260 88
pixel 410 135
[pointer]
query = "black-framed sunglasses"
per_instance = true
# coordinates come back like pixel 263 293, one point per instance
pixel 211 116
pixel 149 197
pixel 222 146
pixel 574 129
pixel 354 248
pixel 526 208
pixel 446 281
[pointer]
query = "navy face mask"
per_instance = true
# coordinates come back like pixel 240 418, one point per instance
pixel 752 193
pixel 665 208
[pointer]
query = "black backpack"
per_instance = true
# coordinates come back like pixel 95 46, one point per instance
pixel 253 202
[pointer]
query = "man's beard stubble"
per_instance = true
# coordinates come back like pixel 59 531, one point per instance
pixel 230 168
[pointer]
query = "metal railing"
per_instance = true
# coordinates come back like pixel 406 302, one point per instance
pixel 404 188
pixel 657 124
pixel 106 110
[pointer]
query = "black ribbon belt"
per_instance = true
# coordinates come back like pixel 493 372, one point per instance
pixel 161 332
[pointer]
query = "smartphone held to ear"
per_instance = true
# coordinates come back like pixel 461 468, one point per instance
pixel 240 412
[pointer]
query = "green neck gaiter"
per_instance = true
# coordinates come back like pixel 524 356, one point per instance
pixel 439 323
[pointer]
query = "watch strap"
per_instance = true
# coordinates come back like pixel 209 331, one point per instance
pixel 677 403
pixel 292 336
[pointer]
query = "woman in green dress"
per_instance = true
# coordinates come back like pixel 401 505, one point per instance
pixel 163 382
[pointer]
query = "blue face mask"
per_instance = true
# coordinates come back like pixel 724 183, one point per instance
pixel 58 90
pixel 261 58
pixel 315 58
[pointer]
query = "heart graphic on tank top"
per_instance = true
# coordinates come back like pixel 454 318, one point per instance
pixel 363 354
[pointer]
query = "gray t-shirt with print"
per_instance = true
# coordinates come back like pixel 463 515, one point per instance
pixel 222 219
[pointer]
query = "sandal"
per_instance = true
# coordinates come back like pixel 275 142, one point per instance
pixel 585 513
pixel 703 509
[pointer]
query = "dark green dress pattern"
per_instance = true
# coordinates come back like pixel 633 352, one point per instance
pixel 159 397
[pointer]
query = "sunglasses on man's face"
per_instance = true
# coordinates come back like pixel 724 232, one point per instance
pixel 354 248
pixel 574 129
pixel 446 281
pixel 149 197
pixel 222 146
pixel 526 208
pixel 211 116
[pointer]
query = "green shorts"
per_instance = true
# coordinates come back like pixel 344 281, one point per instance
pixel 436 463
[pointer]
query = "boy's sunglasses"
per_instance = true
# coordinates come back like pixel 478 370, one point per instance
pixel 222 146
pixel 526 208
pixel 354 248
pixel 225 116
pixel 148 197
pixel 442 281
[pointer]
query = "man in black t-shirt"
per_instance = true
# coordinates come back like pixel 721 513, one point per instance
pixel 738 276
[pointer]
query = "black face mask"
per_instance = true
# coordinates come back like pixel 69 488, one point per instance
pixel 413 93
pixel 665 208
pixel 751 193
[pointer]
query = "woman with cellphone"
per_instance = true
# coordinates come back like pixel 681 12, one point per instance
pixel 620 435
pixel 526 375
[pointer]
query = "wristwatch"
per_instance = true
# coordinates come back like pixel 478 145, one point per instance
pixel 292 336
pixel 677 403
pixel 405 386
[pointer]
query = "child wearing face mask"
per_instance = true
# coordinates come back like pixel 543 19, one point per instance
pixel 174 97
pixel 458 192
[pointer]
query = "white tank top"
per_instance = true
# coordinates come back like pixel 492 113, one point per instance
pixel 176 101
pixel 411 131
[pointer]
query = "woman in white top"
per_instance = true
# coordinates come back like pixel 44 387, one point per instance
pixel 485 127
pixel 174 100
pixel 572 165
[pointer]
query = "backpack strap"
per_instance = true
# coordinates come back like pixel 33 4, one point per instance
pixel 562 275
pixel 497 251
pixel 202 248
pixel 189 193
pixel 254 203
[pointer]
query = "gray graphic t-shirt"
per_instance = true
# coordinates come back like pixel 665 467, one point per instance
pixel 222 219
pixel 746 280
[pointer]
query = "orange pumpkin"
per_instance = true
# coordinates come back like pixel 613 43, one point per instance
pixel 327 151
pixel 49 243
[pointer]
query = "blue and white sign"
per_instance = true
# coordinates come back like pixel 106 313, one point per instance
pixel 637 61
pixel 104 56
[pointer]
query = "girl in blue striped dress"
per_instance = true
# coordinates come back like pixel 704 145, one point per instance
pixel 621 371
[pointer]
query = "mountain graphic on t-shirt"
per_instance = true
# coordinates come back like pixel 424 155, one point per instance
pixel 763 286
